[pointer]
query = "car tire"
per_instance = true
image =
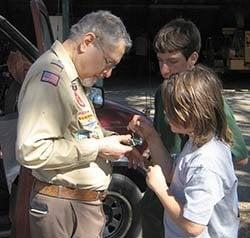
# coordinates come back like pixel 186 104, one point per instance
pixel 121 207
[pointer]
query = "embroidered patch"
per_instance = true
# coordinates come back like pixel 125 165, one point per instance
pixel 85 116
pixel 79 100
pixel 50 77
pixel 73 86
pixel 87 119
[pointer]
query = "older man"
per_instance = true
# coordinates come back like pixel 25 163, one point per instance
pixel 59 136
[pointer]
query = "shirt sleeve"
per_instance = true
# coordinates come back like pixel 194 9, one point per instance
pixel 108 133
pixel 239 149
pixel 203 190
pixel 43 139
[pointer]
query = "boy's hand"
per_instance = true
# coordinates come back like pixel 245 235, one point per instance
pixel 141 126
pixel 155 179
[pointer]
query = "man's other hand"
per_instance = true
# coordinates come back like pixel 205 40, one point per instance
pixel 114 147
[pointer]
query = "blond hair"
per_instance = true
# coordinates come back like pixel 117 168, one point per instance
pixel 193 99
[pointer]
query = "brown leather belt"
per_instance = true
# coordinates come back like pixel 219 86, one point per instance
pixel 67 193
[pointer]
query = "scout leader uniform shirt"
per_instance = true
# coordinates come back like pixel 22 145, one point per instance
pixel 57 125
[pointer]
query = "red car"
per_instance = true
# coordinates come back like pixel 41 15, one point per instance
pixel 127 185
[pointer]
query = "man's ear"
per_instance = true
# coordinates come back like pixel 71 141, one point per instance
pixel 88 39
pixel 193 58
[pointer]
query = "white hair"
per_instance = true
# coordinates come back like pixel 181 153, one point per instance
pixel 106 26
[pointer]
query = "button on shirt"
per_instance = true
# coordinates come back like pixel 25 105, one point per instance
pixel 57 125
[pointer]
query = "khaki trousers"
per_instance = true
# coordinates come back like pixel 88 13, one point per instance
pixel 52 217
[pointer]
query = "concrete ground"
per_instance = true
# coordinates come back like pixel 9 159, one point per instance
pixel 236 91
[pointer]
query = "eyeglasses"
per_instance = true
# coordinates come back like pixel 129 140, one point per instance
pixel 108 63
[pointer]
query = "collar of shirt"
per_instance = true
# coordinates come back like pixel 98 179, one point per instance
pixel 63 56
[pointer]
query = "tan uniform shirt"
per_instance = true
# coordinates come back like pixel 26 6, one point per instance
pixel 57 124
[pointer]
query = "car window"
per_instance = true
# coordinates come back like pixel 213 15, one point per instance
pixel 43 30
pixel 13 68
pixel 48 35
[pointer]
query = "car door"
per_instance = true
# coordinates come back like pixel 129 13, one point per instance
pixel 13 37
pixel 44 38
pixel 8 122
pixel 18 39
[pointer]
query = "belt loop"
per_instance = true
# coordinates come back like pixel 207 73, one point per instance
pixel 98 195
pixel 59 192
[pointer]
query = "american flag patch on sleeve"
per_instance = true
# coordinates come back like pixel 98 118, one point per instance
pixel 50 77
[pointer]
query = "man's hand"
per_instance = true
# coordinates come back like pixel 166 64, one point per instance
pixel 114 147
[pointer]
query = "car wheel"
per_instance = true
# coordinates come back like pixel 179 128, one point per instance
pixel 121 208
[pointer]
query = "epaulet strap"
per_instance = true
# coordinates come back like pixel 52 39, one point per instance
pixel 57 66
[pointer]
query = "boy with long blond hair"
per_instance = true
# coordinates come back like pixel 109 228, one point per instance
pixel 202 198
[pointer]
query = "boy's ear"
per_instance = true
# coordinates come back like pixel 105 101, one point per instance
pixel 193 58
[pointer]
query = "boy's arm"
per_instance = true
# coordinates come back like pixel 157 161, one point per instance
pixel 239 149
pixel 156 181
pixel 175 210
pixel 161 156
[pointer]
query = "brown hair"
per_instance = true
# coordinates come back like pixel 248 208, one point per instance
pixel 178 35
pixel 193 99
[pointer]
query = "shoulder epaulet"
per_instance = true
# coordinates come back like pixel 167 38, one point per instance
pixel 58 65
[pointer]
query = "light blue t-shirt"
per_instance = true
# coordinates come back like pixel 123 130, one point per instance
pixel 204 182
